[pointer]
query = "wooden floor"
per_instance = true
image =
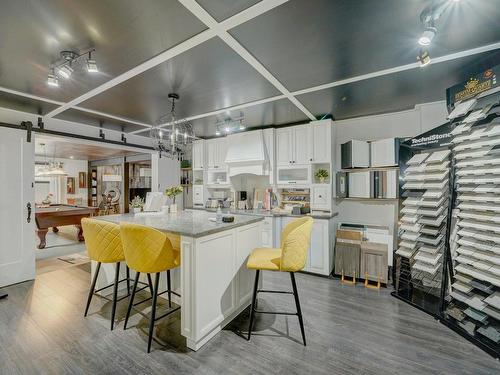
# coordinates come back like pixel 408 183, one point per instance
pixel 350 330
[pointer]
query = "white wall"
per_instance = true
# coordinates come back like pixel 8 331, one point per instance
pixel 397 124
pixel 165 172
pixel 72 168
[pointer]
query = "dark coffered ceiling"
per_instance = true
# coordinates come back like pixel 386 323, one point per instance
pixel 208 77
pixel 301 43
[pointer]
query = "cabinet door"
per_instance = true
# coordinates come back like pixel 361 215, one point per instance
pixel 221 153
pixel 302 144
pixel 320 248
pixel 321 197
pixel 211 153
pixel 321 143
pixel 198 155
pixel 198 194
pixel 284 146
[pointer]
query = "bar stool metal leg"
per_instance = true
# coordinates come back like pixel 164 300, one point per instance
pixel 128 280
pixel 92 288
pixel 131 302
pixel 115 294
pixel 252 308
pixel 150 284
pixel 297 304
pixel 169 289
pixel 153 311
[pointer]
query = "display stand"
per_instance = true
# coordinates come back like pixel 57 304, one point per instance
pixel 473 306
pixel 425 209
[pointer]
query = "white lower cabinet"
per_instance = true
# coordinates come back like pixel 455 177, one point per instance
pixel 198 195
pixel 320 255
pixel 267 232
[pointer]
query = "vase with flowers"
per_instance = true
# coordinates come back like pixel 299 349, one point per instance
pixel 172 192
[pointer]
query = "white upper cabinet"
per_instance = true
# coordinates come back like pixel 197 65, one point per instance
pixel 198 154
pixel 302 144
pixel 284 146
pixel 321 141
pixel 216 153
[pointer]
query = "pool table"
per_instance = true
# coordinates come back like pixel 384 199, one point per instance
pixel 57 215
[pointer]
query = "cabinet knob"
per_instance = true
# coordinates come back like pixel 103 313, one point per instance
pixel 311 159
pixel 320 196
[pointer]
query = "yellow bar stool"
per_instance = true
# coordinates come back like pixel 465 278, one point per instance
pixel 150 251
pixel 290 257
pixel 104 245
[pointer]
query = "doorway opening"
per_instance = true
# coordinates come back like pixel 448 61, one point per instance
pixel 77 178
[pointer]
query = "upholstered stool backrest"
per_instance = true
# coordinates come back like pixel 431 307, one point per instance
pixel 146 249
pixel 103 241
pixel 295 242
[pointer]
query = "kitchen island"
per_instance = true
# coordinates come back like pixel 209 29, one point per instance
pixel 214 283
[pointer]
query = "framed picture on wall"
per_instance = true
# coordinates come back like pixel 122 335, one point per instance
pixel 82 180
pixel 70 185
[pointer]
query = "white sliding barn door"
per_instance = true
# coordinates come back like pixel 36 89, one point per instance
pixel 17 193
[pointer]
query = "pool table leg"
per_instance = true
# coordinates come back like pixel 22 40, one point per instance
pixel 55 229
pixel 41 235
pixel 80 233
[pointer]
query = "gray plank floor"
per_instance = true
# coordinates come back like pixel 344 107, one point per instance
pixel 350 330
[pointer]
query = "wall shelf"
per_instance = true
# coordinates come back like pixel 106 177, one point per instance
pixel 369 169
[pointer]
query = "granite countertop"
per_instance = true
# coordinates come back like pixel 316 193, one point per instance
pixel 190 223
pixel 265 213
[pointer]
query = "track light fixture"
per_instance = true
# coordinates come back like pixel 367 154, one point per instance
pixel 427 36
pixel 52 79
pixel 65 68
pixel 424 58
pixel 229 125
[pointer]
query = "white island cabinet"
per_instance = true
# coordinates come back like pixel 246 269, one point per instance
pixel 214 283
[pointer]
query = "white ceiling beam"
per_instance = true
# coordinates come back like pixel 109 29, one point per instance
pixel 192 42
pixel 401 68
pixel 47 100
pixel 222 33
pixel 223 110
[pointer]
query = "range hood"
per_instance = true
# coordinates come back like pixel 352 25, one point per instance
pixel 246 154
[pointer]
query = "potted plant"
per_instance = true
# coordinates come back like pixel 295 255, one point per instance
pixel 172 192
pixel 137 204
pixel 321 175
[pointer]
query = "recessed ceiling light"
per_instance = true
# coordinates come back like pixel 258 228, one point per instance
pixel 227 130
pixel 71 157
pixel 242 127
pixel 65 71
pixel 217 132
pixel 427 36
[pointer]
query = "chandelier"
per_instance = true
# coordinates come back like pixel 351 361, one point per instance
pixel 50 168
pixel 171 136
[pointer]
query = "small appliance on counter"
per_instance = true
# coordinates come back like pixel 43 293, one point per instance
pixel 241 201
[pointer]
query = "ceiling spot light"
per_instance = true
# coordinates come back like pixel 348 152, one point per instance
pixel 242 127
pixel 217 132
pixel 71 157
pixel 227 130
pixel 427 36
pixel 424 58
pixel 52 79
pixel 92 66
pixel 65 71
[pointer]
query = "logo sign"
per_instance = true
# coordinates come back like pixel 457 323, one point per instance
pixel 472 87
pixel 437 137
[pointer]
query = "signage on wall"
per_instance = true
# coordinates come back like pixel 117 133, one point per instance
pixel 437 137
pixel 474 85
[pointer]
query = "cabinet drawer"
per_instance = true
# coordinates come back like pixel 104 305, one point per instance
pixel 321 197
